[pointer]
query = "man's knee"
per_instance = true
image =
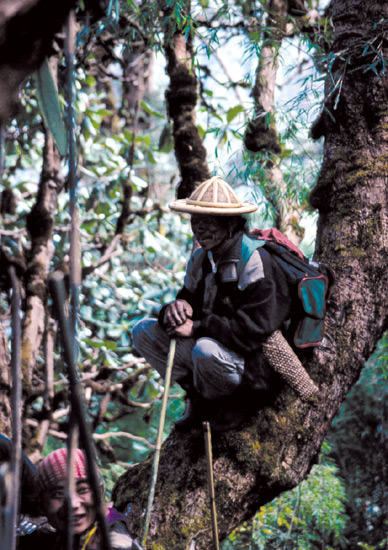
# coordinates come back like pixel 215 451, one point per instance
pixel 217 372
pixel 141 332
pixel 205 349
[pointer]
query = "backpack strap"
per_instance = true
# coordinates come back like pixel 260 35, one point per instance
pixel 256 270
pixel 194 269
pixel 244 277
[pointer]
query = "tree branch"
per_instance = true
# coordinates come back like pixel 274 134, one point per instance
pixel 19 57
pixel 107 435
pixel 40 223
pixel 181 99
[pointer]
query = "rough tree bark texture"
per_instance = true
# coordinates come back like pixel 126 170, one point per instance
pixel 278 447
pixel 5 381
pixel 27 28
pixel 40 223
pixel 181 100
pixel 137 70
pixel 261 132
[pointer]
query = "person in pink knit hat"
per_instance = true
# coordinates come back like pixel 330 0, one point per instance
pixel 52 472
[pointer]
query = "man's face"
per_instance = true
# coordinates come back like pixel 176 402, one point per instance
pixel 210 231
pixel 83 508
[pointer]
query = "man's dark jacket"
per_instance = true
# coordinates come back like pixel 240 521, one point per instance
pixel 240 304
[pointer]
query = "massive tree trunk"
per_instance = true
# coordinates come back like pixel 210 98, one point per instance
pixel 279 446
pixel 27 28
pixel 137 69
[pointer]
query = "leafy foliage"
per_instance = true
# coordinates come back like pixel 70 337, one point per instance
pixel 359 446
pixel 311 516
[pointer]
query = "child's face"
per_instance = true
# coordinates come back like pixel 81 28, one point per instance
pixel 83 508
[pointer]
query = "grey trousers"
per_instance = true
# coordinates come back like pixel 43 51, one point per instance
pixel 216 370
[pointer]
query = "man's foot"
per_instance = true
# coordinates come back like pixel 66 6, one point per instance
pixel 223 414
pixel 229 413
pixel 192 416
pixel 223 418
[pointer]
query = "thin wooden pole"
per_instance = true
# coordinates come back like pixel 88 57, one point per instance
pixel 74 253
pixel 155 465
pixel 57 289
pixel 210 479
pixel 16 403
pixel 70 486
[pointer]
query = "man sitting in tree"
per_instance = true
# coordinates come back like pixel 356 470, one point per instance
pixel 227 319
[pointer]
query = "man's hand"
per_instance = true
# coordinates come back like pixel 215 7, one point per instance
pixel 184 331
pixel 176 314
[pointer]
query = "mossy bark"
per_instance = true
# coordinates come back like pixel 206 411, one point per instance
pixel 181 99
pixel 277 448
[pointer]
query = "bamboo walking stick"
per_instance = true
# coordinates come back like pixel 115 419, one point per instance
pixel 155 465
pixel 209 459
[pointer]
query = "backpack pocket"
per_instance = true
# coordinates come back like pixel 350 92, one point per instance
pixel 312 293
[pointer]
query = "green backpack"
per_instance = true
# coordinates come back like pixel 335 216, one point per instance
pixel 310 284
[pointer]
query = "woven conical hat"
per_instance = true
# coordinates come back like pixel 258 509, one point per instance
pixel 213 196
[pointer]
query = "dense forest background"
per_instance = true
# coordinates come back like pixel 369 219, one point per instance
pixel 162 95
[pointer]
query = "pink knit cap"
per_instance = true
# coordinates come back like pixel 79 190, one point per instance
pixel 52 470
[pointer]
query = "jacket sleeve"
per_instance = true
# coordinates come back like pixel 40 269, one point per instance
pixel 256 312
pixel 189 291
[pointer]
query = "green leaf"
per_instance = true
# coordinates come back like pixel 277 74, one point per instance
pixel 233 112
pixel 50 106
pixel 150 111
pixel 106 344
pixel 201 131
pixel 222 139
pixel 138 183
pixel 371 66
pixel 166 141
pixel 150 156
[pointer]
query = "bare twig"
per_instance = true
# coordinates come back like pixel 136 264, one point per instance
pixel 107 435
pixel 104 258
pixel 13 233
